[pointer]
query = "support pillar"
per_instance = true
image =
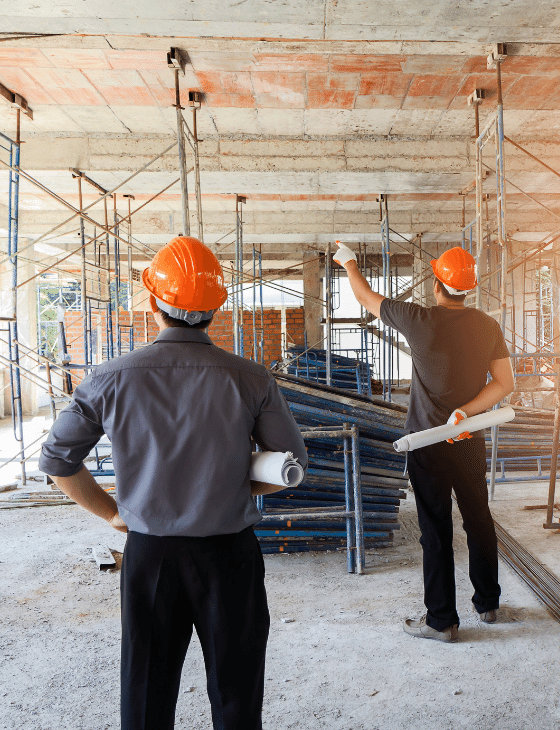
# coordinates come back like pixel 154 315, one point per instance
pixel 312 309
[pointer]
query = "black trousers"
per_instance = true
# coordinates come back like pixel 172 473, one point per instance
pixel 169 585
pixel 434 471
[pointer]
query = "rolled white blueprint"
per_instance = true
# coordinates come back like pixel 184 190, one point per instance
pixel 275 467
pixel 440 433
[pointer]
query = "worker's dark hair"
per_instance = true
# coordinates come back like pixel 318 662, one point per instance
pixel 447 295
pixel 173 322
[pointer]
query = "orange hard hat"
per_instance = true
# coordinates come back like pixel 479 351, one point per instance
pixel 456 268
pixel 185 276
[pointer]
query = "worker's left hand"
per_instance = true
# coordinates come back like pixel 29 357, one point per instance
pixel 118 523
pixel 456 417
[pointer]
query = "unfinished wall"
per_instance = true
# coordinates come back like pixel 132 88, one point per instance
pixel 221 332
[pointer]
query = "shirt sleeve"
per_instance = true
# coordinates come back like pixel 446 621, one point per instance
pixel 399 315
pixel 275 428
pixel 73 435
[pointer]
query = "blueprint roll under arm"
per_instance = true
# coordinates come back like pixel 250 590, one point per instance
pixel 276 467
pixel 440 433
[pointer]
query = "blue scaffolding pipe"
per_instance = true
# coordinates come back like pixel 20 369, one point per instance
pixel 83 293
pixel 13 349
pixel 262 310
pixel 329 312
pixel 117 251
pixel 255 356
pixel 237 313
pixel 467 235
pixel 109 310
pixel 387 370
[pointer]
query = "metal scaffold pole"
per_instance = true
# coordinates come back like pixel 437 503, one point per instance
pixel 83 294
pixel 255 356
pixel 502 242
pixel 109 315
pixel 261 348
pixel 130 273
pixel 182 159
pixel 387 291
pixel 238 277
pixel 13 347
pixel 117 252
pixel 329 313
pixel 194 145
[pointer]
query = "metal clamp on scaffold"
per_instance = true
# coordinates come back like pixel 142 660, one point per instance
pixel 448 431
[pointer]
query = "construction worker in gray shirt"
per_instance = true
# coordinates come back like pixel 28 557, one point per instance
pixel 453 349
pixel 181 415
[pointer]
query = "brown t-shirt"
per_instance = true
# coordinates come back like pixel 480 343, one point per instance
pixel 451 354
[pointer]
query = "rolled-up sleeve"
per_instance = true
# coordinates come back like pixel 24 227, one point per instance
pixel 73 435
pixel 275 427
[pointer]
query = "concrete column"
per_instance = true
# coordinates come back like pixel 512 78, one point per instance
pixel 313 310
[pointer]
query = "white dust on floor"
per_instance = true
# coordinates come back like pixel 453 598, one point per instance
pixel 343 663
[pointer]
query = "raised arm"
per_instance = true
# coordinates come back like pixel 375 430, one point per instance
pixel 362 290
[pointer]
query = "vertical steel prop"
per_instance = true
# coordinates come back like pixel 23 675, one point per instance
pixel 358 507
pixel 387 291
pixel 349 505
pixel 255 355
pixel 117 253
pixel 83 292
pixel 554 457
pixel 329 312
pixel 130 273
pixel 13 349
pixel 498 131
pixel 194 144
pixel 261 308
pixel 182 159
pixel 237 313
pixel 109 311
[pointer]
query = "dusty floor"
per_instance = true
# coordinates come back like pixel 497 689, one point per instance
pixel 344 663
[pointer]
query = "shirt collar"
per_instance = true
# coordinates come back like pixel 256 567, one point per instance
pixel 182 334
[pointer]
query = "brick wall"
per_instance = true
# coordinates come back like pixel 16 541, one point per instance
pixel 221 332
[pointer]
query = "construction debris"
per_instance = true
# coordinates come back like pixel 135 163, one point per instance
pixel 103 557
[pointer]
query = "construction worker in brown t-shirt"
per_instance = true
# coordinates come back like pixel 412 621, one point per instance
pixel 453 349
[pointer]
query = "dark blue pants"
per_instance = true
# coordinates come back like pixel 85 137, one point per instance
pixel 434 471
pixel 170 585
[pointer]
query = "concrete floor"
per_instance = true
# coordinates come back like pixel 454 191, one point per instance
pixel 344 663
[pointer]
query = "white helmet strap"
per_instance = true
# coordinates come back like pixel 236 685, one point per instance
pixel 452 291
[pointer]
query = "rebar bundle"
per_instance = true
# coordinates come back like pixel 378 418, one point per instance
pixel 544 584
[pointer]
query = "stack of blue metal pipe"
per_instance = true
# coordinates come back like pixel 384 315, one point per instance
pixel 524 445
pixel 346 372
pixel 383 482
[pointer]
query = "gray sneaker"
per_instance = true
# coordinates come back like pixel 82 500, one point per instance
pixel 419 628
pixel 489 617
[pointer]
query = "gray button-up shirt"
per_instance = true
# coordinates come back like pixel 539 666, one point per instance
pixel 179 414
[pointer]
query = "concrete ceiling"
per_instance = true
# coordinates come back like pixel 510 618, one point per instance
pixel 310 110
